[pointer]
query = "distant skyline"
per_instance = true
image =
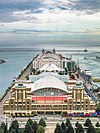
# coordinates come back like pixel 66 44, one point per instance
pixel 70 16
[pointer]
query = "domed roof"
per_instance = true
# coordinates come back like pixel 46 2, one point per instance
pixel 49 67
pixel 49 82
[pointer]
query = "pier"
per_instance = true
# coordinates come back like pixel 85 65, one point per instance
pixel 87 86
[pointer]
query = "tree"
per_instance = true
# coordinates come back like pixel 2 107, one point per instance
pixel 97 130
pixel 1 131
pixel 87 122
pixel 40 129
pixel 91 129
pixel 14 126
pixel 58 129
pixel 97 124
pixel 30 122
pixel 99 94
pixel 70 129
pixel 63 126
pixel 68 123
pixel 98 107
pixel 69 126
pixel 3 127
pixel 79 129
pixel 31 126
pixel 42 122
pixel 35 126
pixel 13 131
pixel 28 128
pixel 77 124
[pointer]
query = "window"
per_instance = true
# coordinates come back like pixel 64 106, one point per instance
pixel 19 102
pixel 91 107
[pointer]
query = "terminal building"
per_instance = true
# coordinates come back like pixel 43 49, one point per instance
pixel 42 60
pixel 49 91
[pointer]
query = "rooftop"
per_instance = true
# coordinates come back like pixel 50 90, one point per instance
pixel 49 82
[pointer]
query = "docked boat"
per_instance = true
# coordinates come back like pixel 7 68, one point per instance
pixel 86 72
pixel 96 80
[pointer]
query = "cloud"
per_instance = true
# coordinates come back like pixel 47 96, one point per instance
pixel 2 25
pixel 26 15
pixel 69 14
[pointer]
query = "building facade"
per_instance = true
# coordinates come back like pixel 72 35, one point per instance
pixel 25 101
pixel 48 92
pixel 51 57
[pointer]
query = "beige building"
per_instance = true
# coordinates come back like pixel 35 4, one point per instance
pixel 49 98
pixel 50 91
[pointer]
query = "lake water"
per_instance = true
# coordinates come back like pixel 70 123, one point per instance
pixel 19 49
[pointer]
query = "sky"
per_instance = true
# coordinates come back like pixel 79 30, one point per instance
pixel 70 16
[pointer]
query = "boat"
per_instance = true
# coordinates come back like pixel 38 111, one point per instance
pixel 85 50
pixel 2 61
pixel 97 57
pixel 96 80
pixel 85 58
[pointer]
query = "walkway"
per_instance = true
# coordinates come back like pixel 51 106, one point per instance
pixel 88 87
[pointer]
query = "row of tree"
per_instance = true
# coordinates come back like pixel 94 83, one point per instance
pixel 34 127
pixel 68 128
pixel 30 127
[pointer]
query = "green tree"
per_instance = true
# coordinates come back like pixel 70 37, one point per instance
pixel 40 129
pixel 87 122
pixel 58 129
pixel 63 126
pixel 14 126
pixel 97 130
pixel 79 129
pixel 13 131
pixel 77 124
pixel 30 122
pixel 28 128
pixel 3 127
pixel 97 124
pixel 98 107
pixel 1 131
pixel 91 129
pixel 68 123
pixel 42 122
pixel 35 126
pixel 99 94
pixel 70 129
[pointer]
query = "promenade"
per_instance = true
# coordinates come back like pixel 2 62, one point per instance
pixel 27 71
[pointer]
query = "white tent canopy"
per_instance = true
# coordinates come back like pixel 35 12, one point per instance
pixel 49 82
pixel 49 67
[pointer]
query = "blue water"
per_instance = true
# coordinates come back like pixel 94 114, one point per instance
pixel 19 49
